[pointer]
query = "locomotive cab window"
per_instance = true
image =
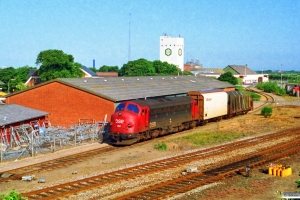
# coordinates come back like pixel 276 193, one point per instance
pixel 133 108
pixel 120 107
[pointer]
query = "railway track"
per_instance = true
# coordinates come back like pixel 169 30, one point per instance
pixel 55 163
pixel 192 181
pixel 113 178
pixel 269 99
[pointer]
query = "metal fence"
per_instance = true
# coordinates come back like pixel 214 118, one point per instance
pixel 33 138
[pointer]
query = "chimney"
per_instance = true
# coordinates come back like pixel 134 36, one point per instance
pixel 94 63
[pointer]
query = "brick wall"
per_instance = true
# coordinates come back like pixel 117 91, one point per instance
pixel 107 74
pixel 65 104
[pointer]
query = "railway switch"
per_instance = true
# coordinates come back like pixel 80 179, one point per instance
pixel 247 171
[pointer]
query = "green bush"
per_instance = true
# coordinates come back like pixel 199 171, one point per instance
pixel 271 87
pixel 266 111
pixel 161 146
pixel 12 195
pixel 239 88
pixel 255 96
pixel 280 91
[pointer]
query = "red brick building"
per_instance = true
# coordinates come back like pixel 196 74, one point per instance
pixel 65 104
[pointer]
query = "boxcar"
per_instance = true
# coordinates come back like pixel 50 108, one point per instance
pixel 212 104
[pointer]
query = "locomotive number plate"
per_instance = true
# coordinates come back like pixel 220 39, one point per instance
pixel 119 121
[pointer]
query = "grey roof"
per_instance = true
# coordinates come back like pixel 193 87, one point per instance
pixel 209 70
pixel 87 70
pixel 1 83
pixel 128 88
pixel 12 113
pixel 242 69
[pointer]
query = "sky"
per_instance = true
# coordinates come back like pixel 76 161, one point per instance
pixel 263 34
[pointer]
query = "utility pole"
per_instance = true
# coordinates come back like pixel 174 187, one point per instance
pixel 129 47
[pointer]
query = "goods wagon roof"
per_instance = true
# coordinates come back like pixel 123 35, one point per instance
pixel 128 88
pixel 12 113
pixel 161 102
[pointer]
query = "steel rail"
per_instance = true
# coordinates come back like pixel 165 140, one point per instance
pixel 192 181
pixel 55 163
pixel 113 177
pixel 269 99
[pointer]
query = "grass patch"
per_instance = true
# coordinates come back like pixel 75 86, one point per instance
pixel 160 146
pixel 199 139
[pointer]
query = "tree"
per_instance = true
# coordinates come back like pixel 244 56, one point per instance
pixel 93 69
pixel 228 77
pixel 164 68
pixel 21 86
pixel 143 67
pixel 106 68
pixel 15 77
pixel 56 64
pixel 6 75
pixel 140 67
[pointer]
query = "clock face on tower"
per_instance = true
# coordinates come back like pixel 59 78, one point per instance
pixel 168 52
pixel 180 52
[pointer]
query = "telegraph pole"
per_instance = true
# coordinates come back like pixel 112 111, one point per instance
pixel 129 48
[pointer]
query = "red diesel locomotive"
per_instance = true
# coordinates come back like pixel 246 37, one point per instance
pixel 139 120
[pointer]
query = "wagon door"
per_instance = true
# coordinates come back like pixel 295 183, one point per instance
pixel 195 110
pixel 199 102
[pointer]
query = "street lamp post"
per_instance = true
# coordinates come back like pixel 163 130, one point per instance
pixel 8 85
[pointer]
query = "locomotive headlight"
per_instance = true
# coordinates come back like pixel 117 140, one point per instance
pixel 130 124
